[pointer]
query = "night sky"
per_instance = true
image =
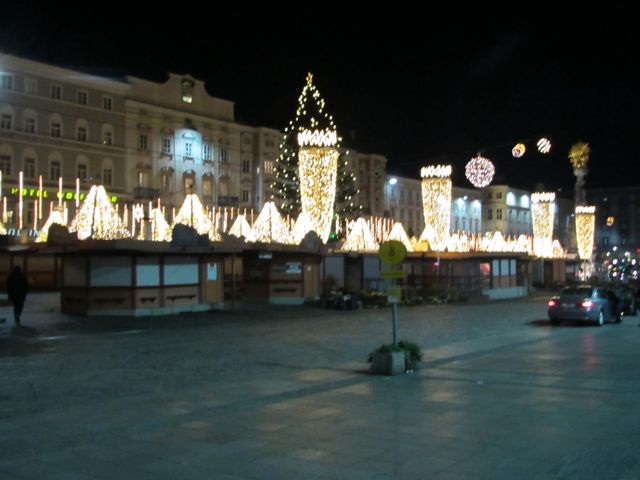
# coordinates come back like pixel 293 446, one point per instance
pixel 418 89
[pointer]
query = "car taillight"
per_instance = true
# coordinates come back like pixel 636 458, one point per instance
pixel 552 303
pixel 586 303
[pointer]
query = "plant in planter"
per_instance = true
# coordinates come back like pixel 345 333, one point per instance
pixel 390 359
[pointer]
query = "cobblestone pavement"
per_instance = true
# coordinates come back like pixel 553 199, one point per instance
pixel 282 393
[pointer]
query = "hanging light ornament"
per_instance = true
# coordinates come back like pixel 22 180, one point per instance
pixel 544 145
pixel 479 171
pixel 518 150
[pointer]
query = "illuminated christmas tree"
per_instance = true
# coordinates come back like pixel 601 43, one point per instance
pixel 270 227
pixel 55 217
pixel 97 218
pixel 192 213
pixel 285 190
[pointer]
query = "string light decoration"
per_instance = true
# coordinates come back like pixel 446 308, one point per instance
pixel 519 150
pixel 318 163
pixel 270 227
pixel 398 233
pixel 97 218
pixel 479 171
pixel 544 145
pixel 359 238
pixel 436 204
pixel 542 213
pixel 160 229
pixel 56 216
pixel 192 214
pixel 585 230
pixel 241 227
pixel 314 121
pixel 302 226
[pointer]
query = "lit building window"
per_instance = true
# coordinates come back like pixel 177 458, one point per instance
pixel 207 189
pixel 187 91
pixel 188 149
pixel 206 151
pixel 166 145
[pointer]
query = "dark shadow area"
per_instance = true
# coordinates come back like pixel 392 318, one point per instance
pixel 560 323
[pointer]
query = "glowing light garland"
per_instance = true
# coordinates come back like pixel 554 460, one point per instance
pixel 97 218
pixel 359 238
pixel 436 203
pixel 585 230
pixel 270 227
pixel 56 216
pixel 479 171
pixel 241 227
pixel 192 214
pixel 398 233
pixel 542 212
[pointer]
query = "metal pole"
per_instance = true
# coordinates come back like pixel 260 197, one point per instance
pixel 394 314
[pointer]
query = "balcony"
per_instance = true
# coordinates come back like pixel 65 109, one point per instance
pixel 225 201
pixel 145 193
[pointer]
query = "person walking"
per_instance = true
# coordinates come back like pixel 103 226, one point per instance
pixel 17 288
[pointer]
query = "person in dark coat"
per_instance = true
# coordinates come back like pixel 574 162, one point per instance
pixel 17 288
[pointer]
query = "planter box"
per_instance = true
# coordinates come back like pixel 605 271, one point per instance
pixel 390 363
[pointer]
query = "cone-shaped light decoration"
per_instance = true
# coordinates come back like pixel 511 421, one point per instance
pixel 436 202
pixel 269 226
pixel 160 229
pixel 542 212
pixel 318 171
pixel 192 213
pixel 585 230
pixel 240 227
pixel 97 218
pixel 360 238
pixel 398 233
pixel 56 216
pixel 302 227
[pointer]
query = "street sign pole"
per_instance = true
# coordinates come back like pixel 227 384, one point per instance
pixel 392 253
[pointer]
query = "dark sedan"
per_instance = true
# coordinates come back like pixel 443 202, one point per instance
pixel 593 304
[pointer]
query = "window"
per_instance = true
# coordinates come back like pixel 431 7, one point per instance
pixel 143 142
pixel 189 183
pixel 6 121
pixel 187 91
pixel 223 155
pixel 55 92
pixel 206 151
pixel 207 189
pixel 107 102
pixel 268 167
pixel 81 172
pixel 246 166
pixel 30 86
pixel 498 194
pixel 107 176
pixel 30 125
pixel 498 213
pixel 167 180
pixel 245 195
pixel 188 149
pixel 5 164
pixel 107 138
pixel 82 97
pixel 268 143
pixel 55 170
pixel 166 145
pixel 490 214
pixel 488 195
pixel 143 179
pixel 6 81
pixel 30 168
pixel 56 129
pixel 81 134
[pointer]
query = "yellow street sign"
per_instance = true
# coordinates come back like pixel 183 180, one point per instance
pixel 392 252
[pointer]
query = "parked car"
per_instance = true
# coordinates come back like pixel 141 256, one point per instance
pixel 584 302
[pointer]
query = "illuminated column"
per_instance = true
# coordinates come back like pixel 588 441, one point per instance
pixel 585 230
pixel 59 192
pixel 318 164
pixel 77 193
pixel 40 196
pixel 436 204
pixel 20 203
pixel 542 213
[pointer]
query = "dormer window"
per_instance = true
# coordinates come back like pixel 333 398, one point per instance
pixel 187 91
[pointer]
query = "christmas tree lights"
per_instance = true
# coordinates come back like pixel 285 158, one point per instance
pixel 270 227
pixel 359 238
pixel 97 218
pixel 56 216
pixel 585 230
pixel 436 203
pixel 192 213
pixel 542 214
pixel 398 233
